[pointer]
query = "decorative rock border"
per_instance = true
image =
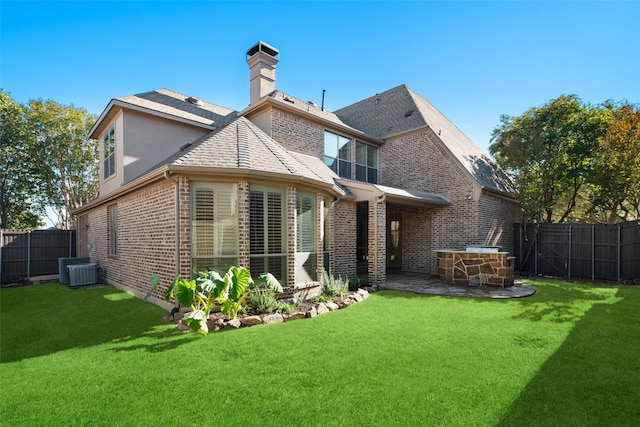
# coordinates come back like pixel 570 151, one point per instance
pixel 218 321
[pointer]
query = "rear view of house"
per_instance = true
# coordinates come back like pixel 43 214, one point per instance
pixel 285 186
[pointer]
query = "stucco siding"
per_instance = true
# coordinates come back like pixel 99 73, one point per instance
pixel 149 140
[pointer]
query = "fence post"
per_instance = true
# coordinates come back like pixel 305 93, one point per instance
pixel 535 255
pixel 69 243
pixel 29 253
pixel 1 246
pixel 593 252
pixel 569 257
pixel 619 260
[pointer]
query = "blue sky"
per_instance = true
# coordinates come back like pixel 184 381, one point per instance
pixel 473 60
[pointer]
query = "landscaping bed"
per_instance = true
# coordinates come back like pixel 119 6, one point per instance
pixel 218 321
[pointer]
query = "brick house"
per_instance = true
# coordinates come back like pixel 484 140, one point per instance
pixel 285 186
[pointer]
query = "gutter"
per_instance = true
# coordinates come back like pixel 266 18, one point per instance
pixel 220 173
pixel 177 203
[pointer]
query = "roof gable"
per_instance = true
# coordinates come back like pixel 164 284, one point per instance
pixel 401 110
pixel 182 106
pixel 170 105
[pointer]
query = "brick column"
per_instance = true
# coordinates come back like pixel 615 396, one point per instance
pixel 377 242
pixel 291 235
pixel 243 224
pixel 185 227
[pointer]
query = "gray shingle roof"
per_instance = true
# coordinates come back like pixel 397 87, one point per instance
pixel 178 105
pixel 242 145
pixel 400 109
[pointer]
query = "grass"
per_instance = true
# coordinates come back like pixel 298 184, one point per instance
pixel 566 356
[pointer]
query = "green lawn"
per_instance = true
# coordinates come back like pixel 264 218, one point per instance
pixel 568 356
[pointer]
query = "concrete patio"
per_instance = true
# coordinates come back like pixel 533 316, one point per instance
pixel 430 285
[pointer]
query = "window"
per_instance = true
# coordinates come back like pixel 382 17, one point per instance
pixel 112 219
pixel 337 154
pixel 109 147
pixel 306 242
pixel 267 228
pixel 214 227
pixel 366 163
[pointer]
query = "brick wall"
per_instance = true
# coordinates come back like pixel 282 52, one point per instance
pixel 417 248
pixel 344 238
pixel 146 236
pixel 419 161
pixel 146 239
pixel 297 133
pixel 496 218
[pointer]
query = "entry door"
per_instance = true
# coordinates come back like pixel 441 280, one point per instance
pixel 394 243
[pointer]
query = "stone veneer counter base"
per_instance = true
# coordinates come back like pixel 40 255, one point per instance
pixel 476 268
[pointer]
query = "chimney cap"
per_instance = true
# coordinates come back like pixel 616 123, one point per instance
pixel 263 47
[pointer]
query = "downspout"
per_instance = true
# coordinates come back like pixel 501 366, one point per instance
pixel 177 197
pixel 375 238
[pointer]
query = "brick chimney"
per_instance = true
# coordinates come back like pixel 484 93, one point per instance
pixel 262 60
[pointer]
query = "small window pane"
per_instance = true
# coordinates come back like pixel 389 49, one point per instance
pixel 372 176
pixel 331 144
pixel 372 157
pixel 361 173
pixel 345 149
pixel 361 153
pixel 331 163
pixel 345 170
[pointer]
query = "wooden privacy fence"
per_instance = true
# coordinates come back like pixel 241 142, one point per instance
pixel 595 251
pixel 29 253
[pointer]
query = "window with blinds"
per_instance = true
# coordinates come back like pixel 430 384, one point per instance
pixel 267 231
pixel 306 241
pixel 214 226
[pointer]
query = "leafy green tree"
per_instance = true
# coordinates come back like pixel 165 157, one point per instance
pixel 68 176
pixel 17 168
pixel 549 153
pixel 616 187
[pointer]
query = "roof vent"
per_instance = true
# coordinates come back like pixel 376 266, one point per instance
pixel 194 101
pixel 289 100
pixel 185 146
pixel 408 113
pixel 312 104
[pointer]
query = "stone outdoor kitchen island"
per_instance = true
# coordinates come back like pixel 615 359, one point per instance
pixel 476 266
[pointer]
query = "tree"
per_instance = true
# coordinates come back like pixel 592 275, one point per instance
pixel 616 187
pixel 68 176
pixel 17 169
pixel 549 153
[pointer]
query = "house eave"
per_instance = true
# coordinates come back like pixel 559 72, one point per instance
pixel 364 191
pixel 512 197
pixel 116 106
pixel 252 174
pixel 267 101
pixel 208 172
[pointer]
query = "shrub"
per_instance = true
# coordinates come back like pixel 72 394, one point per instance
pixel 333 286
pixel 262 301
pixel 210 288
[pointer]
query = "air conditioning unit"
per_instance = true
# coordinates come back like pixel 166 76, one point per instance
pixel 83 274
pixel 64 263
